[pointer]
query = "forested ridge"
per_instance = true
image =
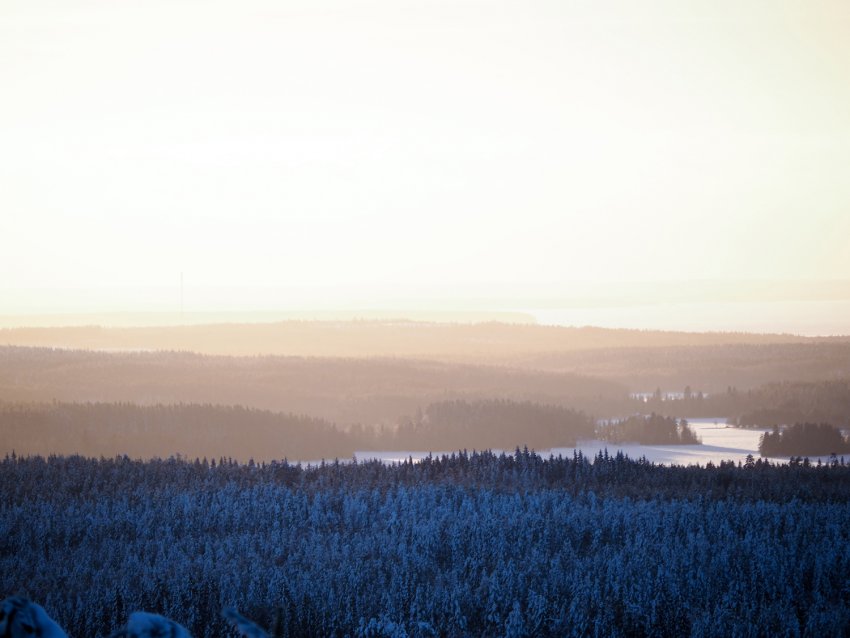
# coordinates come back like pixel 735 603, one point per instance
pixel 379 391
pixel 345 391
pixel 771 404
pixel 636 360
pixel 485 342
pixel 495 423
pixel 710 368
pixel 195 430
pixel 212 430
pixel 463 545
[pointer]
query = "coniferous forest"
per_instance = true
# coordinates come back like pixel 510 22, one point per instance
pixel 470 544
pixel 649 430
pixel 461 545
pixel 424 318
pixel 804 439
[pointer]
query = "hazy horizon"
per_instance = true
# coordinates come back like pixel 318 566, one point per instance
pixel 807 308
pixel 428 156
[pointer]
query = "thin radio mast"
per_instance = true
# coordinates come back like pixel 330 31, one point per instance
pixel 181 296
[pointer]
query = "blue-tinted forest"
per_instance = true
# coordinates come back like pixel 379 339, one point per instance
pixel 473 544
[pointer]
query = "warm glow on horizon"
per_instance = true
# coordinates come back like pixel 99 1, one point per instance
pixel 408 145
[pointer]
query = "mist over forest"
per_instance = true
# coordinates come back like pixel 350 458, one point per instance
pixel 155 403
pixel 405 319
pixel 476 342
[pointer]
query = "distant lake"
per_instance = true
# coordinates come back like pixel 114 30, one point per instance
pixel 719 443
pixel 810 318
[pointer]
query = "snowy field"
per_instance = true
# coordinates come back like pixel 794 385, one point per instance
pixel 719 443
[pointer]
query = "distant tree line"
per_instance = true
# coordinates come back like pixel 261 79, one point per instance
pixel 707 367
pixel 496 423
pixel 343 391
pixel 804 439
pixel 107 429
pixel 771 404
pixel 484 342
pixel 382 391
pixel 212 431
pixel 648 430
pixel 468 544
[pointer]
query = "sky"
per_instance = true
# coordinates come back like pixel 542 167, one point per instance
pixel 323 146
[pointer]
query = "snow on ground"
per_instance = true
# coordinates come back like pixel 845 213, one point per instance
pixel 720 442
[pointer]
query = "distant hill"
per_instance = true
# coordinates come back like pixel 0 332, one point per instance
pixel 194 431
pixel 637 359
pixel 471 343
pixel 501 424
pixel 708 368
pixel 767 405
pixel 223 431
pixel 787 403
pixel 341 390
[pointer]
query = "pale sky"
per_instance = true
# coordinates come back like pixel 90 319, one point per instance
pixel 441 144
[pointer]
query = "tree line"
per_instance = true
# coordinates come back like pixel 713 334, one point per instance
pixel 804 439
pixel 648 430
pixel 384 391
pixel 344 391
pixel 211 431
pixel 771 404
pixel 710 367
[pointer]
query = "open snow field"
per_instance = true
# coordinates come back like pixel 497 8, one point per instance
pixel 720 442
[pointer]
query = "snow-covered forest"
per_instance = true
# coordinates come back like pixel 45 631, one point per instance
pixel 472 544
pixel 424 318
